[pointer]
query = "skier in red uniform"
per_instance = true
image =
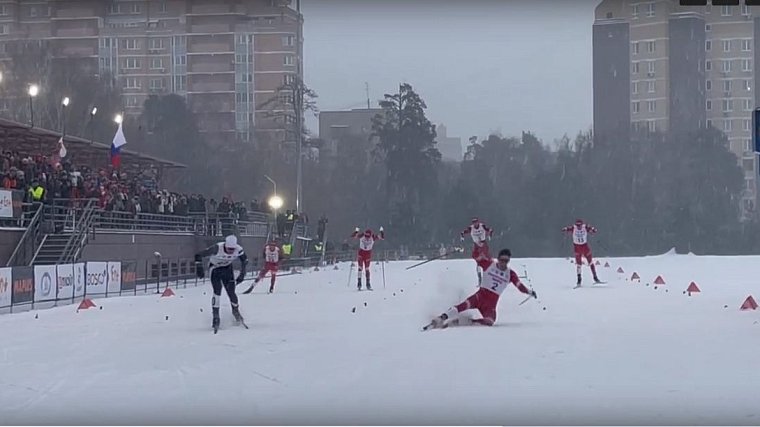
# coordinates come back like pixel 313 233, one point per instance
pixel 364 255
pixel 497 277
pixel 271 265
pixel 580 232
pixel 480 234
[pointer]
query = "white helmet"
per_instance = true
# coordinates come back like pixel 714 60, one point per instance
pixel 230 241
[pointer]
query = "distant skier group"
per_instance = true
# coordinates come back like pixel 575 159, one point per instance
pixel 494 277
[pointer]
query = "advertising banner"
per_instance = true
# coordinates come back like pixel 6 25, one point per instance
pixel 44 283
pixel 97 278
pixel 79 280
pixel 23 285
pixel 10 203
pixel 65 281
pixel 5 287
pixel 128 275
pixel 114 277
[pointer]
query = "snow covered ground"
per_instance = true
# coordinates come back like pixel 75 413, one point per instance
pixel 619 353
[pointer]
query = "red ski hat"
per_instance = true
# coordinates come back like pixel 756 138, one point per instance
pixel 578 221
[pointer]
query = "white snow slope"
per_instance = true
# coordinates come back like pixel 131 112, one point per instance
pixel 621 353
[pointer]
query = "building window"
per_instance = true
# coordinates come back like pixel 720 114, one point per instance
pixel 708 105
pixel 651 46
pixel 651 67
pixel 708 85
pixel 4 29
pixel 131 83
pixel 651 86
pixel 726 11
pixel 289 79
pixel 157 63
pixel 747 125
pixel 157 44
pixel 708 124
pixel 745 10
pixel 635 11
pixel 746 45
pixel 180 60
pixel 747 85
pixel 635 107
pixel 727 105
pixel 747 105
pixel 728 125
pixel 131 44
pixel 289 60
pixel 162 7
pixel 135 8
pixel 727 66
pixel 708 45
pixel 635 88
pixel 651 106
pixel 727 85
pixel 747 145
pixel 635 68
pixel 708 65
pixel 635 48
pixel 650 10
pixel 157 84
pixel 106 63
pixel 746 65
pixel 241 97
pixel 131 101
pixel 726 45
pixel 180 83
pixel 132 63
pixel 652 125
pixel 289 41
pixel 3 10
pixel 708 27
pixel 748 183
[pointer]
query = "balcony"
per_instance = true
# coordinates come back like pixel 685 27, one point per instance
pixel 210 28
pixel 211 67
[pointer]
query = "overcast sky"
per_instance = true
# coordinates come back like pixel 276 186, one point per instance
pixel 481 65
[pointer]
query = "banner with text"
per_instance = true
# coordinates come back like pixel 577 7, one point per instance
pixel 5 287
pixel 79 279
pixel 44 283
pixel 128 275
pixel 97 278
pixel 65 281
pixel 114 277
pixel 10 203
pixel 23 285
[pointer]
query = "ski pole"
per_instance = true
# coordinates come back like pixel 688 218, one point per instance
pixel 427 261
pixel 350 272
pixel 526 299
pixel 383 268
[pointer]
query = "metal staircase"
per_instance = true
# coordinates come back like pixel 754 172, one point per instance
pixel 67 246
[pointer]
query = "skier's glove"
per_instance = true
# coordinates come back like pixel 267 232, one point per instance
pixel 533 294
pixel 240 278
pixel 461 238
pixel 199 270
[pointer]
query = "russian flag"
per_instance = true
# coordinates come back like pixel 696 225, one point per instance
pixel 118 141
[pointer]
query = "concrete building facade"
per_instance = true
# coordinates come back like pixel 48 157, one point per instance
pixel 226 57
pixel 663 67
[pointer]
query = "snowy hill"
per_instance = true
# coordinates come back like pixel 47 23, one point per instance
pixel 319 352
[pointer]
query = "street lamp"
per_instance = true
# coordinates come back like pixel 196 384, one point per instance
pixel 275 202
pixel 64 104
pixel 90 124
pixel 1 76
pixel 118 119
pixel 33 91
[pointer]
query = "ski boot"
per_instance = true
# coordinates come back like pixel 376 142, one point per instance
pixel 236 314
pixel 579 280
pixel 215 321
pixel 437 322
pixel 597 281
pixel 359 284
pixel 271 289
pixel 369 288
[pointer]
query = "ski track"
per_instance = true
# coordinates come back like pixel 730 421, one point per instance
pixel 622 352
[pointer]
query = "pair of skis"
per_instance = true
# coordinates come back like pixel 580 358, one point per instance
pixel 598 282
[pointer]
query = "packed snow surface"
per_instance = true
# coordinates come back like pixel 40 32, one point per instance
pixel 319 352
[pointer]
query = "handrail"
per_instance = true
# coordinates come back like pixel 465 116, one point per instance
pixel 31 230
pixel 78 239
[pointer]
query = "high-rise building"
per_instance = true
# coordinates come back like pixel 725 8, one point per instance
pixel 663 67
pixel 226 57
pixel 449 146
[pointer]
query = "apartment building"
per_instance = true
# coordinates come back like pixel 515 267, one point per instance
pixel 226 57
pixel 663 67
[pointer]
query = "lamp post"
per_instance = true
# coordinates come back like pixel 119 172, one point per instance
pixel 118 119
pixel 92 119
pixel 275 202
pixel 33 91
pixel 64 104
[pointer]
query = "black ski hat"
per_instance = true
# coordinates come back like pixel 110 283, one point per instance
pixel 505 252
